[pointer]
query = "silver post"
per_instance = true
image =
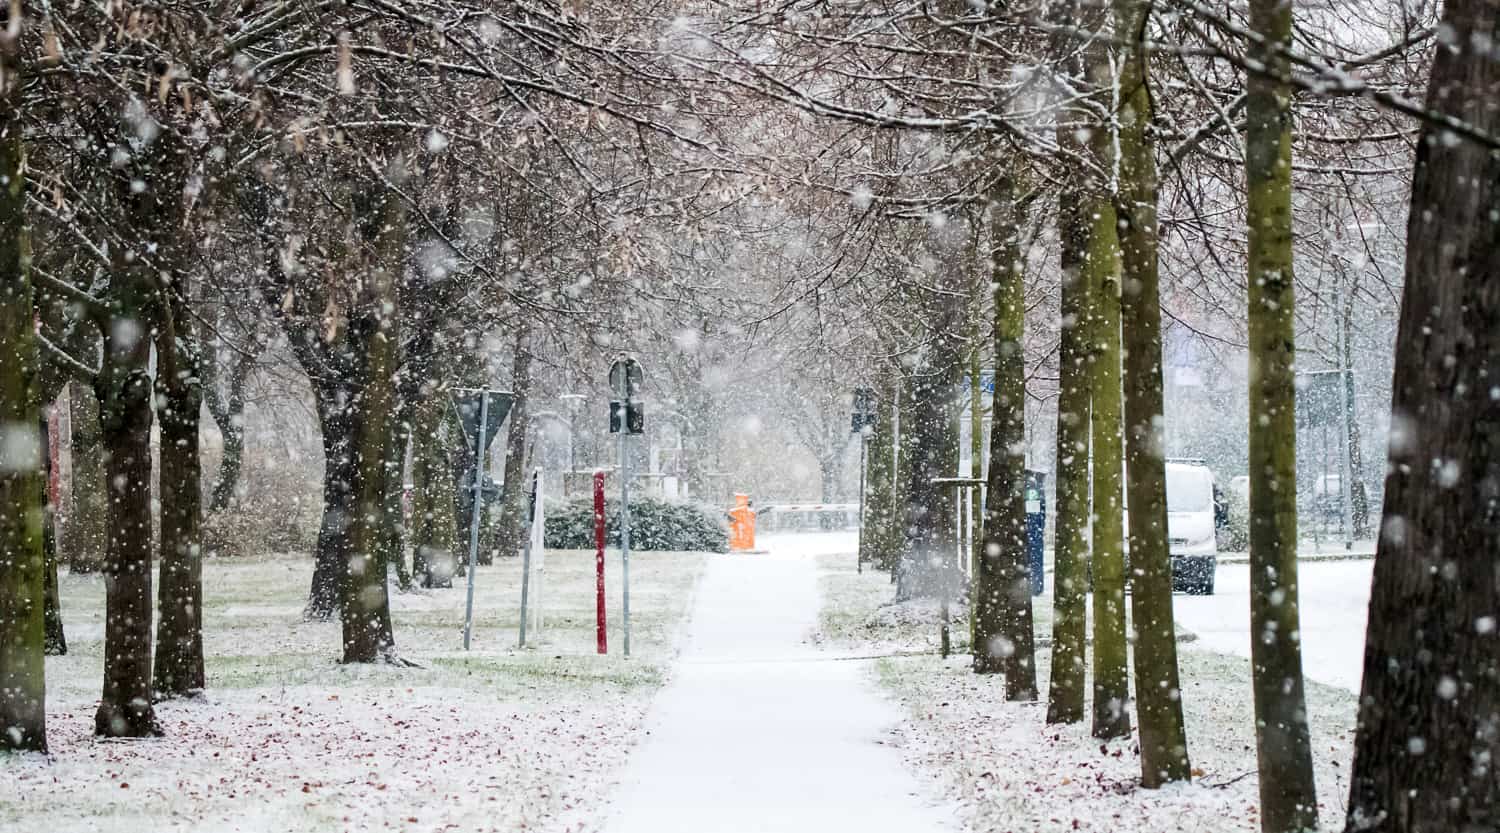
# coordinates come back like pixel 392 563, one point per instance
pixel 526 560
pixel 625 524
pixel 484 420
pixel 859 558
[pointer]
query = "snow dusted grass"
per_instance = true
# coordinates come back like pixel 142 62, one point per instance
pixel 1012 772
pixel 857 613
pixel 287 739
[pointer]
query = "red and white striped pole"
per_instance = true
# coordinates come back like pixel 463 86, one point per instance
pixel 599 556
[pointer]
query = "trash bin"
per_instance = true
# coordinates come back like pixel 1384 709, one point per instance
pixel 1036 525
pixel 741 525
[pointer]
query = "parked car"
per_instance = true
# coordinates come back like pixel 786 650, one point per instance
pixel 1192 527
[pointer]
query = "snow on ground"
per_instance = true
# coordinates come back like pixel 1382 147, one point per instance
pixel 759 730
pixel 1334 598
pixel 286 739
pixel 1010 771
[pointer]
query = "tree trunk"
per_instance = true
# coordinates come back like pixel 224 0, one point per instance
pixel 88 506
pixel 337 422
pixel 125 420
pixel 880 471
pixel 928 567
pixel 1003 640
pixel 23 692
pixel 511 527
pixel 1287 797
pixel 433 534
pixel 1111 677
pixel 229 416
pixel 1426 753
pixel 55 640
pixel 1102 269
pixel 1066 697
pixel 179 635
pixel 1158 691
pixel 375 530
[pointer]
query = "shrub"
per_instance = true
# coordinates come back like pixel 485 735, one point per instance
pixel 1234 536
pixel 655 524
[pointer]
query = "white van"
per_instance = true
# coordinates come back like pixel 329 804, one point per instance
pixel 1191 536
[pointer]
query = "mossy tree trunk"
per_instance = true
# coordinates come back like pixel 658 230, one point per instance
pixel 1158 691
pixel 1287 796
pixel 1111 676
pixel 1427 752
pixel 433 525
pixel 1066 694
pixel 23 712
pixel 364 606
pixel 880 482
pixel 1102 266
pixel 1003 640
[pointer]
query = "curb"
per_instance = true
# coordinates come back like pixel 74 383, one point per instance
pixel 1319 556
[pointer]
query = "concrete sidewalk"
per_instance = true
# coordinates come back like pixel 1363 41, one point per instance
pixel 760 731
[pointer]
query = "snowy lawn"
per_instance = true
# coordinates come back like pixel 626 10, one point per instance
pixel 1012 772
pixel 288 739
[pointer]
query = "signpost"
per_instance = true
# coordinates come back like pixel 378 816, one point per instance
pixel 531 519
pixel 625 418
pixel 481 411
pixel 862 422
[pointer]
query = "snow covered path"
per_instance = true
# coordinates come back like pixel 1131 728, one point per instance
pixel 1334 598
pixel 760 731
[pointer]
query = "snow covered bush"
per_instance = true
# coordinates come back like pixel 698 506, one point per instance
pixel 655 524
pixel 1234 535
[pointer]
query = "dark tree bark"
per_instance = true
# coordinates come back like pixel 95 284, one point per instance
pixel 179 635
pixel 55 640
pixel 23 712
pixel 88 504
pixel 1067 692
pixel 228 412
pixel 336 419
pixel 1003 638
pixel 1427 752
pixel 124 390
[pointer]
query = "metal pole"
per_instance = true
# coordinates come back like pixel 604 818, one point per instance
pixel 484 421
pixel 625 525
pixel 526 555
pixel 859 558
pixel 525 582
pixel 600 630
